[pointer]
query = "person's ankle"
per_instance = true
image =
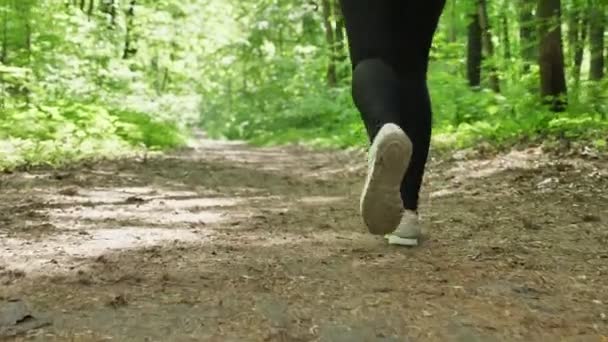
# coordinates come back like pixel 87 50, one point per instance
pixel 410 210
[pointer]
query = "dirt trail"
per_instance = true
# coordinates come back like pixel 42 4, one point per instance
pixel 226 242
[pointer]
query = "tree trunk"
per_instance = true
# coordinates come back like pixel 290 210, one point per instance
pixel 309 24
pixel 28 37
pixel 551 56
pixel 340 27
pixel 4 52
pixel 113 12
pixel 128 49
pixel 91 8
pixel 577 36
pixel 527 37
pixel 341 53
pixel 165 80
pixel 452 29
pixel 109 7
pixel 596 40
pixel 488 45
pixel 82 3
pixel 506 40
pixel 474 55
pixel 332 76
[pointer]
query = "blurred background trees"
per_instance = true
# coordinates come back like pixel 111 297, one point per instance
pixel 84 77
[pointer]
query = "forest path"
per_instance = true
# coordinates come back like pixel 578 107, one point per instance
pixel 228 242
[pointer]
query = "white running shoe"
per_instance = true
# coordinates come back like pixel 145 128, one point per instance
pixel 389 158
pixel 408 231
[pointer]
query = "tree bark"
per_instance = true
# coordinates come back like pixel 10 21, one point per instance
pixel 340 27
pixel 4 52
pixel 488 45
pixel 332 76
pixel 527 36
pixel 109 7
pixel 577 37
pixel 91 8
pixel 28 37
pixel 506 38
pixel 113 12
pixel 340 36
pixel 596 39
pixel 551 56
pixel 452 33
pixel 130 14
pixel 474 55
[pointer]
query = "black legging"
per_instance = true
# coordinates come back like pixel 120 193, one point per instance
pixel 389 44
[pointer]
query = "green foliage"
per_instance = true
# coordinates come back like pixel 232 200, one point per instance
pixel 139 128
pixel 465 117
pixel 69 91
pixel 66 131
pixel 269 85
pixel 270 89
pixel 109 79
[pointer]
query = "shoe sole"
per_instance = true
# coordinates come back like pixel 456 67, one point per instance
pixel 381 204
pixel 399 241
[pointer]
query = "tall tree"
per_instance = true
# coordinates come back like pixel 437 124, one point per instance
pixel 4 51
pixel 506 36
pixel 474 55
pixel 596 39
pixel 551 55
pixel 340 28
pixel 129 50
pixel 452 26
pixel 109 7
pixel 488 44
pixel 27 17
pixel 91 8
pixel 527 36
pixel 332 75
pixel 577 37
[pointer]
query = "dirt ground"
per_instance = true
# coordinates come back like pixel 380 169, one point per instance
pixel 227 242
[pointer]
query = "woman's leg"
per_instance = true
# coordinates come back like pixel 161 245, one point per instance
pixel 414 24
pixel 378 94
pixel 389 44
pixel 416 123
pixel 376 88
